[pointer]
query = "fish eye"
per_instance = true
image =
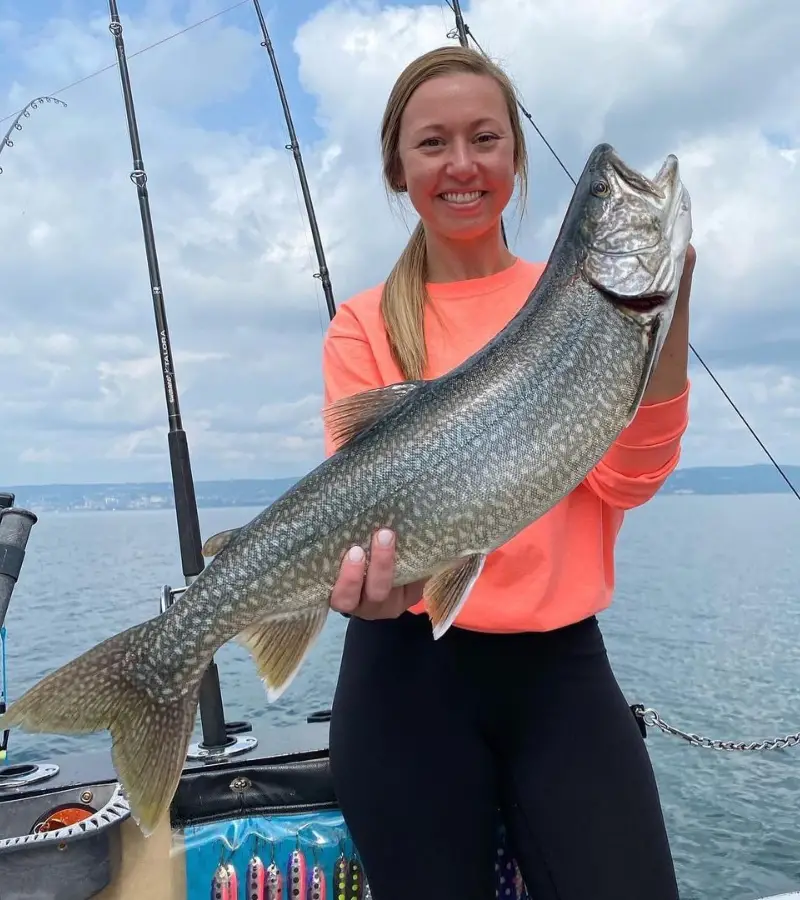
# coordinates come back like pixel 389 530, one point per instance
pixel 600 188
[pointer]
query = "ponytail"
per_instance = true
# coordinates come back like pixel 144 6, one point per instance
pixel 403 306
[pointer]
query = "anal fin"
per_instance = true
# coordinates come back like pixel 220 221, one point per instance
pixel 351 416
pixel 447 592
pixel 279 646
pixel 219 541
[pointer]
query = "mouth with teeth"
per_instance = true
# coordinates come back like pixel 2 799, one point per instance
pixel 646 304
pixel 462 198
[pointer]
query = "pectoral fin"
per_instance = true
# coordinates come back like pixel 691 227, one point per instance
pixel 279 646
pixel 447 592
pixel 219 541
pixel 351 416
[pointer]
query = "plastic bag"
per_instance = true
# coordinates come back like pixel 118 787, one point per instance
pixel 300 856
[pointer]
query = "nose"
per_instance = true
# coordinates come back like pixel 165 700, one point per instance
pixel 461 161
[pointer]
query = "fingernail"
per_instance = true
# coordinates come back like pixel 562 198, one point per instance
pixel 355 554
pixel 385 537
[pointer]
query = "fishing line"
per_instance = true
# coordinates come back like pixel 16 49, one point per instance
pixel 463 33
pixel 113 65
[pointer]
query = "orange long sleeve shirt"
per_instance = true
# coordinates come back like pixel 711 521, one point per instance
pixel 560 569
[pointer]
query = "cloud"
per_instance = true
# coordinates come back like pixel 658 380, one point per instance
pixel 83 397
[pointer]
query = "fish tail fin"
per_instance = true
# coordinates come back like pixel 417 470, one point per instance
pixel 111 687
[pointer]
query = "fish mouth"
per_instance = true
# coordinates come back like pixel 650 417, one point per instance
pixel 661 186
pixel 644 304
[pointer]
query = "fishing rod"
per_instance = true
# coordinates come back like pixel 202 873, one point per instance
pixel 26 112
pixel 463 33
pixel 215 734
pixel 461 28
pixel 294 146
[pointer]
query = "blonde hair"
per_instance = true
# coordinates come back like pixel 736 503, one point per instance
pixel 405 293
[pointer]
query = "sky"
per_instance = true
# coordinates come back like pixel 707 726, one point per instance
pixel 82 399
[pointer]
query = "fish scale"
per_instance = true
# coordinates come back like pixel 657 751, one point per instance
pixel 456 466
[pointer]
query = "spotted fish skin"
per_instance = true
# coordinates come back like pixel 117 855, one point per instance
pixel 455 465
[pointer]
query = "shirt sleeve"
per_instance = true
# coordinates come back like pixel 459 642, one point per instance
pixel 644 455
pixel 348 363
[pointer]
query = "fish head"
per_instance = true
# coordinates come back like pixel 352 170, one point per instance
pixel 633 234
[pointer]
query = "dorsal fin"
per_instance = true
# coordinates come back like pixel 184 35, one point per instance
pixel 219 541
pixel 351 416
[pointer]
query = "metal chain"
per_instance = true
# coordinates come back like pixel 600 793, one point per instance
pixel 651 718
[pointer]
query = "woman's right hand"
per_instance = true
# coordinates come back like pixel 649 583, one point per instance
pixel 366 590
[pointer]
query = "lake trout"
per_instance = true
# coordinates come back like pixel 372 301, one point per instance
pixel 456 466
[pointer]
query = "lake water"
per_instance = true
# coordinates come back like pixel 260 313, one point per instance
pixel 705 628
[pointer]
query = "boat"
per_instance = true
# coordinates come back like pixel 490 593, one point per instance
pixel 252 805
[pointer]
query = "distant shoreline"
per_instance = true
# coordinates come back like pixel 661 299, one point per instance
pixel 260 492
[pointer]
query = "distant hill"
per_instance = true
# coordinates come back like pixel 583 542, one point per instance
pixel 756 479
pixel 148 495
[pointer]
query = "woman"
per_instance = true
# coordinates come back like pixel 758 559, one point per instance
pixel 516 706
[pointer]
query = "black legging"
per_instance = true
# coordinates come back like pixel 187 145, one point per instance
pixel 429 738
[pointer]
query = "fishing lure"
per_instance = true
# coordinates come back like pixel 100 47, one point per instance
pixel 225 883
pixel 340 877
pixel 509 884
pixel 274 880
pixel 256 879
pixel 506 885
pixel 355 880
pixel 521 892
pixel 317 889
pixel 298 875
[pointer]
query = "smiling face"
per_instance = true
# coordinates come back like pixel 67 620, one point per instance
pixel 456 154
